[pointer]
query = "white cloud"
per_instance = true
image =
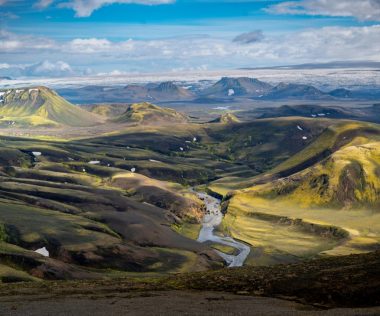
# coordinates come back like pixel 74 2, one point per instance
pixel 365 10
pixel 84 8
pixel 12 42
pixel 90 45
pixel 47 68
pixel 42 4
pixel 325 44
pixel 41 69
pixel 5 66
pixel 312 45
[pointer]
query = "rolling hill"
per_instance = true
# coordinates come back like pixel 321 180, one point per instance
pixel 226 118
pixel 41 106
pixel 344 174
pixel 147 113
pixel 119 203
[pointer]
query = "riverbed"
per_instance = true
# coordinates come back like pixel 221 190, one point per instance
pixel 212 219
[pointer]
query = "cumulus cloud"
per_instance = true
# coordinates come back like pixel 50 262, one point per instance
pixel 250 37
pixel 47 68
pixel 89 45
pixel 41 69
pixel 365 10
pixel 84 8
pixel 312 45
pixel 12 42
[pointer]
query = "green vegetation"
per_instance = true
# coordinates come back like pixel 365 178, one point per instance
pixel 149 113
pixel 41 106
pixel 119 203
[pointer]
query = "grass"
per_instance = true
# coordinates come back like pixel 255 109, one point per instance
pixel 361 224
pixel 43 108
pixel 38 226
pixel 188 230
pixel 108 220
pixel 8 275
pixel 272 242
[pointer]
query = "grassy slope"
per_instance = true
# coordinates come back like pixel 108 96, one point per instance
pixel 339 189
pixel 66 181
pixel 56 183
pixel 44 108
pixel 150 113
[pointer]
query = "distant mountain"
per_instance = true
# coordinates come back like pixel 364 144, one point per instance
pixel 5 78
pixel 148 113
pixel 168 91
pixel 225 90
pixel 341 93
pixel 231 87
pixel 329 65
pixel 41 106
pixel 131 93
pixel 295 91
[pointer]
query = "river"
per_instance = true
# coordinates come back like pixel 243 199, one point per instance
pixel 211 220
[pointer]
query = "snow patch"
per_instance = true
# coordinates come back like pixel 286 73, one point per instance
pixel 300 128
pixel 304 137
pixel 94 162
pixel 43 251
pixel 231 92
pixel 36 153
pixel 133 169
pixel 181 148
pixel 221 108
pixel 152 160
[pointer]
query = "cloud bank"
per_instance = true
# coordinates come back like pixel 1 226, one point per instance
pixel 364 10
pixel 250 49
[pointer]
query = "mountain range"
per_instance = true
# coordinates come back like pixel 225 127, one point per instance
pixel 227 88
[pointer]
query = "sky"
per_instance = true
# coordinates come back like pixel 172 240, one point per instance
pixel 56 38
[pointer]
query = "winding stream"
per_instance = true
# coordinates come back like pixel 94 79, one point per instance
pixel 211 220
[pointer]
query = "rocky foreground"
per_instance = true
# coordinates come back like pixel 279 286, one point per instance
pixel 348 285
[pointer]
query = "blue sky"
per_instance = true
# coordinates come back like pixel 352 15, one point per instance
pixel 81 37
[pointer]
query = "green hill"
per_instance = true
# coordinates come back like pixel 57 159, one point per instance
pixel 148 113
pixel 226 118
pixel 41 106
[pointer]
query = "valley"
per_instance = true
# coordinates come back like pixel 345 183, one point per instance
pixel 143 191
